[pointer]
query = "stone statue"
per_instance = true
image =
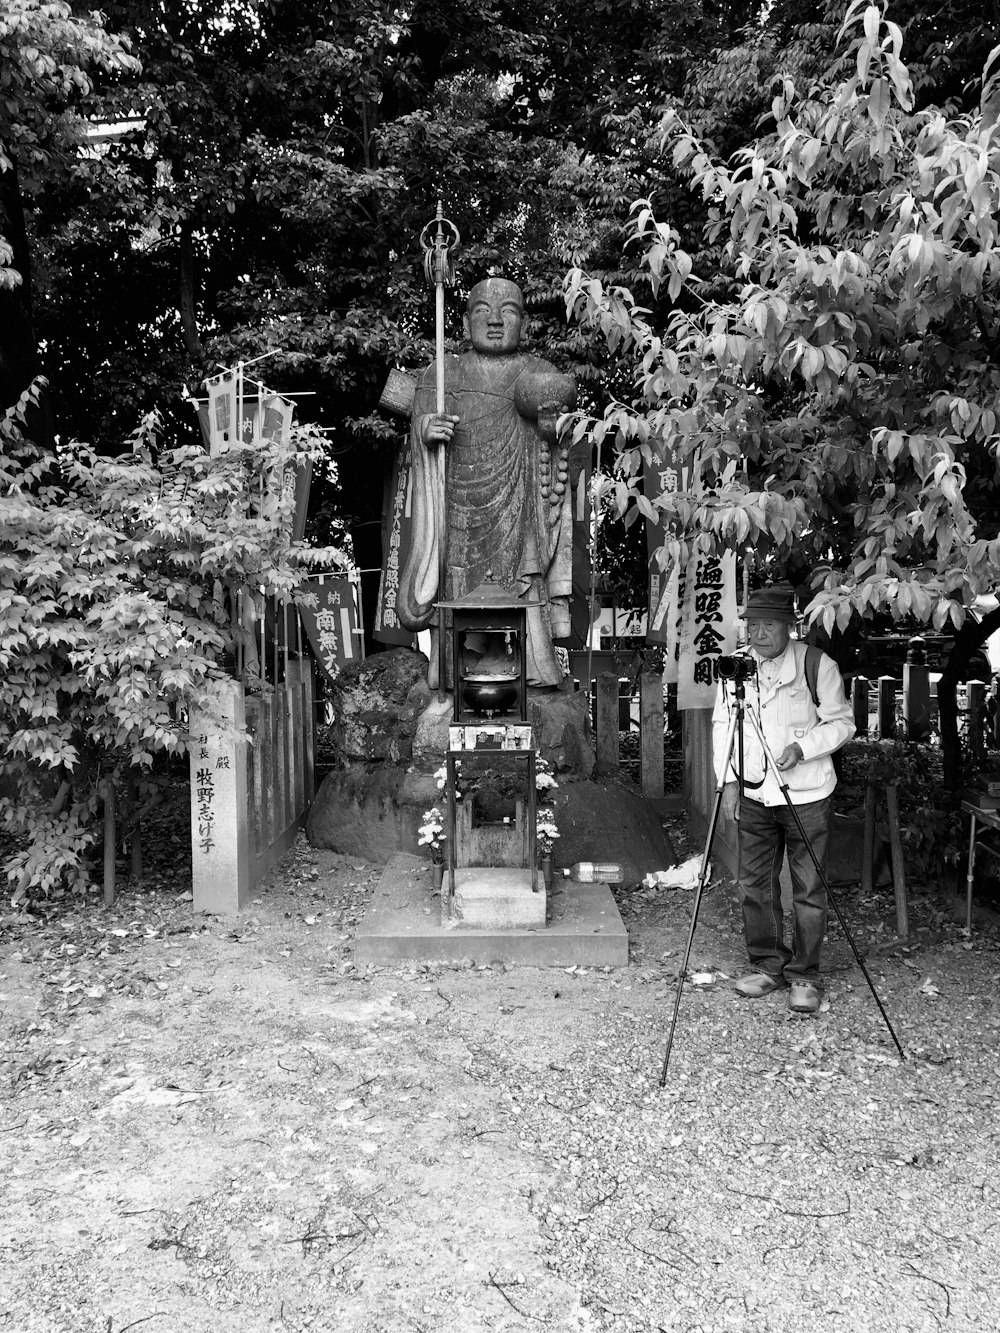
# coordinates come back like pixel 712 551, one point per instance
pixel 506 511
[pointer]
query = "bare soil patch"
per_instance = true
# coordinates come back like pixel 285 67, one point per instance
pixel 224 1125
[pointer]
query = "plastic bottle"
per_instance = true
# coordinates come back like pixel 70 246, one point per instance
pixel 596 872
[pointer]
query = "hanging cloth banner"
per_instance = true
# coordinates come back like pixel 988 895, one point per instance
pixel 708 627
pixel 581 468
pixel 266 417
pixel 218 418
pixel 662 475
pixel 331 624
pixel 670 613
pixel 397 524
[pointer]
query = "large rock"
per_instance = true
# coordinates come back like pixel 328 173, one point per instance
pixel 390 736
pixel 561 726
pixel 358 812
pixel 377 704
pixel 604 820
pixel 373 811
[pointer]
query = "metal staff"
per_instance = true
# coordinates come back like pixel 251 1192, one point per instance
pixel 439 240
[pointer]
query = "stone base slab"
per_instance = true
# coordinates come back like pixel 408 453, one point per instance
pixel 494 898
pixel 403 923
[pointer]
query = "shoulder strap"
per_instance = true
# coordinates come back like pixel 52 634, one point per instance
pixel 813 655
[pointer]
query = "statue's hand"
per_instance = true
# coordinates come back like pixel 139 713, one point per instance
pixel 436 428
pixel 548 415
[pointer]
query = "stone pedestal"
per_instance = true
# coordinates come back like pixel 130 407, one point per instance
pixel 494 898
pixel 403 923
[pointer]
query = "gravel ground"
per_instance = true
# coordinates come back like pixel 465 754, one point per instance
pixel 226 1126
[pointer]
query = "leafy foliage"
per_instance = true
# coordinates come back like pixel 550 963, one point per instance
pixel 933 827
pixel 113 617
pixel 851 376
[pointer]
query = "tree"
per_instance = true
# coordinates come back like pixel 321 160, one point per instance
pixel 47 55
pixel 851 375
pixel 113 620
pixel 287 158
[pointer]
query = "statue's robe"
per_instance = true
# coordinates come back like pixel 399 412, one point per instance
pixel 501 519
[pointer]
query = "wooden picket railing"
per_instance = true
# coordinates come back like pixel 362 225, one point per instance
pixel 611 707
pixel 280 766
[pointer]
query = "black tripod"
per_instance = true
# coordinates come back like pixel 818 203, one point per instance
pixel 736 731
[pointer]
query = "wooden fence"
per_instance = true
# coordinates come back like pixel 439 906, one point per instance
pixel 281 767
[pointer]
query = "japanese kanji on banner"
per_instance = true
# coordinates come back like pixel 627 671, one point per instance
pixel 708 627
pixel 396 525
pixel 331 623
pixel 661 476
pixel 580 475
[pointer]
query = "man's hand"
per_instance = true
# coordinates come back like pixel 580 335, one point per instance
pixel 437 428
pixel 789 757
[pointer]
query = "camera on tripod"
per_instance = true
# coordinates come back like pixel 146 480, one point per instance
pixel 740 668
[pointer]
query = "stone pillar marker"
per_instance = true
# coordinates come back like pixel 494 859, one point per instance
pixel 220 841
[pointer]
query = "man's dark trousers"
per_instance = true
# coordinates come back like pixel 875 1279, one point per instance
pixel 765 832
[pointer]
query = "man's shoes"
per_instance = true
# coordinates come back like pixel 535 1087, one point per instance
pixel 803 998
pixel 758 984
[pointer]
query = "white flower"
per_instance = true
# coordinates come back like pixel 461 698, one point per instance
pixel 546 831
pixel 431 831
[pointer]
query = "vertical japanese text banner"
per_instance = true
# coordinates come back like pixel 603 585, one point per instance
pixel 331 623
pixel 397 524
pixel 708 627
pixel 661 476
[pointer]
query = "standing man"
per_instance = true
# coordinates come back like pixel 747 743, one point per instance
pixel 804 721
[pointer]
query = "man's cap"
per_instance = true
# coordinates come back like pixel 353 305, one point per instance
pixel 774 603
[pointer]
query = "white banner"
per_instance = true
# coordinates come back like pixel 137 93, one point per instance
pixel 221 415
pixel 708 627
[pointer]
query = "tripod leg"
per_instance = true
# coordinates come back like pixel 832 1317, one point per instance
pixel 755 723
pixel 712 825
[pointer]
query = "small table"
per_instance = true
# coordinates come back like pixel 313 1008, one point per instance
pixel 991 819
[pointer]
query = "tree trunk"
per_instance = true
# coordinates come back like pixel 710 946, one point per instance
pixel 969 638
pixel 188 303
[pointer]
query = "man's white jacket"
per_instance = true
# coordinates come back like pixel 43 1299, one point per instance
pixel 788 716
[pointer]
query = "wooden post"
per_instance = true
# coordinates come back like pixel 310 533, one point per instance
pixel 975 695
pixel 995 718
pixel 309 727
pixel 898 869
pixel 916 692
pixel 886 707
pixel 110 836
pixel 868 846
pixel 651 734
pixel 606 723
pixel 859 702
pixel 255 799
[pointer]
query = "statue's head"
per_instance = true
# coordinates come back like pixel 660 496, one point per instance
pixel 493 321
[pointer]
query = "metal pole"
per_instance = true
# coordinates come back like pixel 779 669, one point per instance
pixel 439 239
pixel 594 519
pixel 735 720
